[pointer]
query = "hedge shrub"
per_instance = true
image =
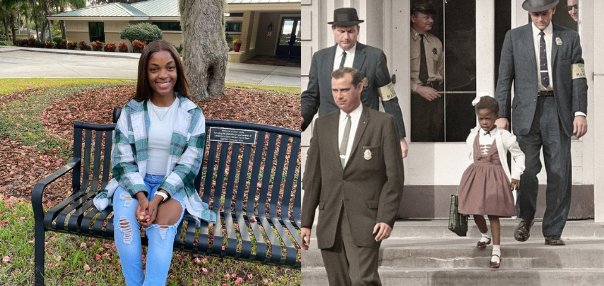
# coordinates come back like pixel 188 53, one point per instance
pixel 143 32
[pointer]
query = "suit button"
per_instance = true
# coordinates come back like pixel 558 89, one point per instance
pixel 343 181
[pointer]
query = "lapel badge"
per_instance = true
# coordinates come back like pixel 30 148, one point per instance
pixel 558 41
pixel 434 51
pixel 367 154
pixel 365 82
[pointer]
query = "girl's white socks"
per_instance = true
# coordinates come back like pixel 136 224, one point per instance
pixel 496 251
pixel 485 237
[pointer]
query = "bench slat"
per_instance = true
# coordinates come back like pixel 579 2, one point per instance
pixel 290 250
pixel 76 218
pixel 260 243
pixel 266 176
pixel 228 197
pixel 107 158
pixel 278 177
pixel 251 195
pixel 217 243
pixel 246 243
pixel 211 158
pixel 220 178
pixel 275 246
pixel 289 180
pixel 190 237
pixel 231 249
pixel 241 186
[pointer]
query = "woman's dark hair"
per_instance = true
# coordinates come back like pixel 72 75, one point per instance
pixel 143 88
pixel 487 102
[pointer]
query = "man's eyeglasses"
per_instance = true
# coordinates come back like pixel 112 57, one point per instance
pixel 570 7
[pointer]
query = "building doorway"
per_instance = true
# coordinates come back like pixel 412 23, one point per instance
pixel 289 38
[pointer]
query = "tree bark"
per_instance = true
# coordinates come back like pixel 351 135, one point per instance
pixel 43 34
pixel 205 51
pixel 12 27
pixel 62 24
pixel 5 25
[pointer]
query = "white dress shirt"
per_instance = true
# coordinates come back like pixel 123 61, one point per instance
pixel 355 116
pixel 349 57
pixel 549 33
pixel 485 141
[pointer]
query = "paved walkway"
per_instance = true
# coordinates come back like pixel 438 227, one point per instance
pixel 19 62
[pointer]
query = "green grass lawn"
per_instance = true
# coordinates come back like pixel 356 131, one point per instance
pixel 71 260
pixel 75 260
pixel 12 85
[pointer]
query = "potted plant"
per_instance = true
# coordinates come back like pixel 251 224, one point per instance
pixel 237 44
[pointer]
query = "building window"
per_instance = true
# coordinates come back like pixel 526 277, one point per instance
pixel 233 26
pixel 96 31
pixel 450 117
pixel 168 26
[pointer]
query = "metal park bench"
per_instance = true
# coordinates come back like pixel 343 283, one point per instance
pixel 250 178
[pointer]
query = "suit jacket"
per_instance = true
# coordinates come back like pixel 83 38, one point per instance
pixel 505 141
pixel 369 187
pixel 371 62
pixel 518 65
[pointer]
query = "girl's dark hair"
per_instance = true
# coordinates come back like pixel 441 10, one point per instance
pixel 143 88
pixel 487 102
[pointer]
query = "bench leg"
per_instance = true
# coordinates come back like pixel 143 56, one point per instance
pixel 39 253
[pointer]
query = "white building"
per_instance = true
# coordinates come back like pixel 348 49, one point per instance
pixel 472 32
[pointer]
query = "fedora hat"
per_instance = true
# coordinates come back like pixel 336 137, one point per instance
pixel 539 5
pixel 422 7
pixel 345 17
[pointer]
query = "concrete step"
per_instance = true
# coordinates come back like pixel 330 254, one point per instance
pixel 460 253
pixel 427 253
pixel 438 229
pixel 472 276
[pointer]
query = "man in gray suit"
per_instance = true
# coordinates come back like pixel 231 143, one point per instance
pixel 355 175
pixel 544 62
pixel 370 61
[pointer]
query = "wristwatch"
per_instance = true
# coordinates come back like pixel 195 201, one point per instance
pixel 164 196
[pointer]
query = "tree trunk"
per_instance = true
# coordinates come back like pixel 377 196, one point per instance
pixel 43 34
pixel 48 23
pixel 27 19
pixel 5 24
pixel 50 35
pixel 205 51
pixel 12 27
pixel 34 13
pixel 37 27
pixel 62 25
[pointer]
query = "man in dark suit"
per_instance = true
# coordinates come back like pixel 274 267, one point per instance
pixel 544 62
pixel 370 61
pixel 354 174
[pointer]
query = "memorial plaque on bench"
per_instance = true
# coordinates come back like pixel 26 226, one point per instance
pixel 242 136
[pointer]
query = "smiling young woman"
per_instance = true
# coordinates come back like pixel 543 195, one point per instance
pixel 158 144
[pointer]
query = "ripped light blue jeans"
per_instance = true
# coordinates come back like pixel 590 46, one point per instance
pixel 127 237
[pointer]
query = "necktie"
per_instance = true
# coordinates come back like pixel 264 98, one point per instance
pixel 344 144
pixel 543 61
pixel 487 133
pixel 343 59
pixel 423 65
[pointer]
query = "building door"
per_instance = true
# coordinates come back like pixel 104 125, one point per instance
pixel 289 38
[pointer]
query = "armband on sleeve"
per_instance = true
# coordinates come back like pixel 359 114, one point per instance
pixel 578 71
pixel 387 92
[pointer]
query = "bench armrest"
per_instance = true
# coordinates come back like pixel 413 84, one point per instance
pixel 36 194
